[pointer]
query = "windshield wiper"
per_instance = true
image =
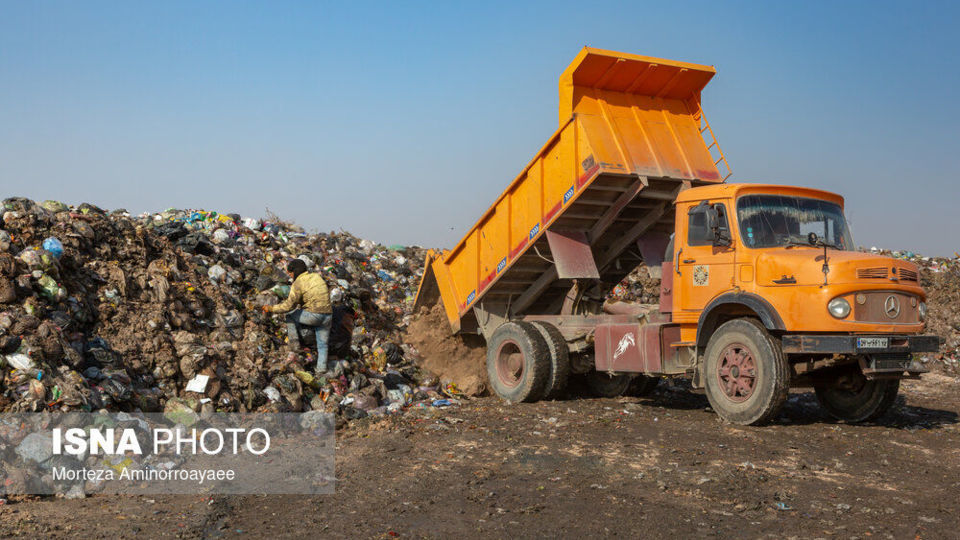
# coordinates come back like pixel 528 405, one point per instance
pixel 818 243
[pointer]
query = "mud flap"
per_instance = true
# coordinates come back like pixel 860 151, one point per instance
pixel 697 380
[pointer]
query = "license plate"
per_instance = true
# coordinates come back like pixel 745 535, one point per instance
pixel 873 343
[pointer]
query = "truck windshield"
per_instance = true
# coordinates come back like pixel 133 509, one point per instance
pixel 777 220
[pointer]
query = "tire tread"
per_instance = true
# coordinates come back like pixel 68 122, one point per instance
pixel 559 359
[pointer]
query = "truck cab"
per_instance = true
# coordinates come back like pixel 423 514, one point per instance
pixel 783 257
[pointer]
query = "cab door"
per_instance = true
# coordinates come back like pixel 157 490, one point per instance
pixel 704 267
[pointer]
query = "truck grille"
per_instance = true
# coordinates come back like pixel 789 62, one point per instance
pixel 874 304
pixel 872 273
pixel 907 275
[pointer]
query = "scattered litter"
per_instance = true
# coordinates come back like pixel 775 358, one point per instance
pixel 198 384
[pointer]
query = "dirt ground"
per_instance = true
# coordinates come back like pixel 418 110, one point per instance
pixel 659 467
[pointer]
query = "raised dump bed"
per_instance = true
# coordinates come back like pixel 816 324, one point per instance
pixel 594 201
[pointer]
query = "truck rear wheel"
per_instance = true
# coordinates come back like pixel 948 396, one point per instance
pixel 853 398
pixel 745 373
pixel 559 359
pixel 518 362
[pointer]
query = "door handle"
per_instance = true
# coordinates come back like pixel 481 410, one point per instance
pixel 676 265
pixel 688 261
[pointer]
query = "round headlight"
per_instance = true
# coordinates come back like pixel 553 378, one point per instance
pixel 922 310
pixel 839 308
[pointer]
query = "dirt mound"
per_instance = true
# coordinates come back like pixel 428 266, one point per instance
pixel 457 359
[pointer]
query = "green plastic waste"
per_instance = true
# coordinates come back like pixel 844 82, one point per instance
pixel 282 291
pixel 54 206
pixel 50 289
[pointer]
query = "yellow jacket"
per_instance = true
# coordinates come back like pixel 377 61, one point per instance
pixel 309 291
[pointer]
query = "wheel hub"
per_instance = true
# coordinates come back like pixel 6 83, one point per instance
pixel 510 363
pixel 737 372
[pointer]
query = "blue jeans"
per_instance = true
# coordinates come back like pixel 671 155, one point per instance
pixel 320 322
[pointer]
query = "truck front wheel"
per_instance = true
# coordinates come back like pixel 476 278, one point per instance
pixel 853 398
pixel 518 362
pixel 745 373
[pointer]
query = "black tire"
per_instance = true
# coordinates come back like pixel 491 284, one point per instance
pixel 754 395
pixel 518 362
pixel 559 359
pixel 602 384
pixel 642 385
pixel 865 401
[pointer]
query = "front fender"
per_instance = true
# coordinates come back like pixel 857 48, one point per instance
pixel 710 315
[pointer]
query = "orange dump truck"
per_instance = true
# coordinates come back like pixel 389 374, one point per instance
pixel 761 289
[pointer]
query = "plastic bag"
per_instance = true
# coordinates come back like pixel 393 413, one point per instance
pixel 20 361
pixel 220 236
pixel 282 291
pixel 54 206
pixel 50 289
pixel 54 246
pixel 216 273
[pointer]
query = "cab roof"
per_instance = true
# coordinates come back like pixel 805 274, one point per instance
pixel 730 190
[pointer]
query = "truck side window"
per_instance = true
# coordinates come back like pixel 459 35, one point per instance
pixel 698 234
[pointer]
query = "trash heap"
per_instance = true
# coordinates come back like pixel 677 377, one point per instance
pixel 161 312
pixel 641 286
pixel 940 278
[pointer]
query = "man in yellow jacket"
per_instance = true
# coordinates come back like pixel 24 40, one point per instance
pixel 311 298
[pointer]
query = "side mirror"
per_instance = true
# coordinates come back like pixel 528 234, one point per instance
pixel 712 218
pixel 720 237
pixel 702 208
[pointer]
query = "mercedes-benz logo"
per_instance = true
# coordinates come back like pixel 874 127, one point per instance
pixel 891 306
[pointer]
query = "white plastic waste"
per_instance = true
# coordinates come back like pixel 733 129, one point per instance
pixel 216 273
pixel 20 361
pixel 198 384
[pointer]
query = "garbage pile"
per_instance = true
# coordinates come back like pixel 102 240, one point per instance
pixel 161 312
pixel 940 278
pixel 642 286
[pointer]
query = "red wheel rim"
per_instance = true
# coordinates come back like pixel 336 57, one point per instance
pixel 510 363
pixel 737 372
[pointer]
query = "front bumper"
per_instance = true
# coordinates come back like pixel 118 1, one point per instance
pixel 865 344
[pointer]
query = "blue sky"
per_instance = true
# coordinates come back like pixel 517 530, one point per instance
pixel 402 121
